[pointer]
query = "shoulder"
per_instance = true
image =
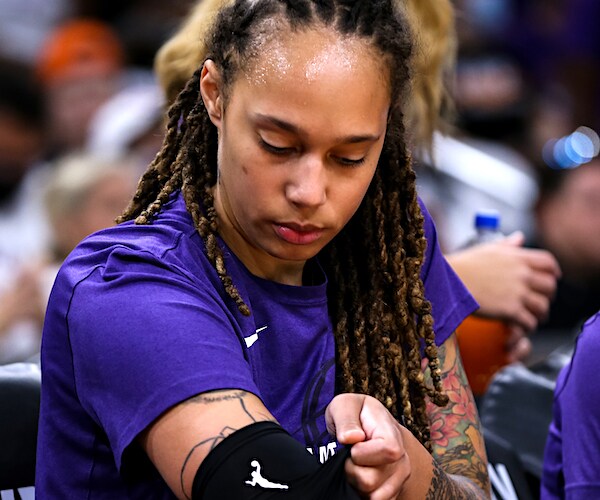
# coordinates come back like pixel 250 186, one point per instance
pixel 169 240
pixel 579 374
pixel 145 268
pixel 590 334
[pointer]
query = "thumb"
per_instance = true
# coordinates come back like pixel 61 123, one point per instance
pixel 343 418
pixel 515 239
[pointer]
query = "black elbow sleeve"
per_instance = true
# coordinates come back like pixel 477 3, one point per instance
pixel 263 461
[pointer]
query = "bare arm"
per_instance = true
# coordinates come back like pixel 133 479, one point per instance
pixel 458 447
pixel 388 462
pixel 180 439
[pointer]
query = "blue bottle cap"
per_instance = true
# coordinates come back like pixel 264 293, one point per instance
pixel 487 219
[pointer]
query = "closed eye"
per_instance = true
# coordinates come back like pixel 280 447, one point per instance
pixel 275 149
pixel 347 162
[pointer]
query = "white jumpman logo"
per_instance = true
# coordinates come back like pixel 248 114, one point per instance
pixel 257 479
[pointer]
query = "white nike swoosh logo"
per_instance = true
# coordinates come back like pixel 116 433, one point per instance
pixel 254 337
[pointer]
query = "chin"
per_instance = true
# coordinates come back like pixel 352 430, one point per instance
pixel 297 253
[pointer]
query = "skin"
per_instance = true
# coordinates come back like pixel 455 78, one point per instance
pixel 517 288
pixel 569 223
pixel 511 296
pixel 278 208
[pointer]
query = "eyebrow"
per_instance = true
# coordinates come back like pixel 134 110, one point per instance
pixel 290 127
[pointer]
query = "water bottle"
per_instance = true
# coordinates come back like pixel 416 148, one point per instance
pixel 483 342
pixel 487 227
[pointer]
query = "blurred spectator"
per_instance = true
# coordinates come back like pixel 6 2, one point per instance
pixel 81 65
pixel 568 223
pixel 145 24
pixel 22 140
pixel 142 25
pixel 130 123
pixel 23 299
pixel 84 194
pixel 459 172
pixel 508 89
pixel 491 89
pixel 25 24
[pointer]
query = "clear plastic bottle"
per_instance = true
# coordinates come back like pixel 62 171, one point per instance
pixel 487 227
pixel 483 342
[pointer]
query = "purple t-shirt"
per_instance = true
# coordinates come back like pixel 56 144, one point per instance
pixel 572 454
pixel 138 321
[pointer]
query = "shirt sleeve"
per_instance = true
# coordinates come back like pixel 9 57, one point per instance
pixel 450 300
pixel 578 397
pixel 145 337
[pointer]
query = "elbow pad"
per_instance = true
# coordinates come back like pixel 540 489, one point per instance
pixel 263 461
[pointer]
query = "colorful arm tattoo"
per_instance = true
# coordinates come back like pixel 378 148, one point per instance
pixel 460 469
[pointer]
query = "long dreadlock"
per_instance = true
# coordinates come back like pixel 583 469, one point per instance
pixel 381 318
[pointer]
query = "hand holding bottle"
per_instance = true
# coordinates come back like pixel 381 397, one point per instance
pixel 509 282
pixel 513 285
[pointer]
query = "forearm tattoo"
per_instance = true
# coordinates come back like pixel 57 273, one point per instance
pixel 458 449
pixel 458 488
pixel 210 443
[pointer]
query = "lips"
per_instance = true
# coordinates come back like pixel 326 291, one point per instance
pixel 298 234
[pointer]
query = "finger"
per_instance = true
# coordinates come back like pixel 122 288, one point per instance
pixel 383 482
pixel 526 319
pixel 517 332
pixel 363 479
pixel 537 304
pixel 378 451
pixel 544 283
pixel 542 260
pixel 520 351
pixel 342 417
pixel 515 239
pixel 367 479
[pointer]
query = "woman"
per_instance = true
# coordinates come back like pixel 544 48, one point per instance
pixel 520 284
pixel 269 289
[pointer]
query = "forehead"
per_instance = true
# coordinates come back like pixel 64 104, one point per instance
pixel 311 54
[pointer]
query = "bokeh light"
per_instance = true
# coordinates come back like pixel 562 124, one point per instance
pixel 572 150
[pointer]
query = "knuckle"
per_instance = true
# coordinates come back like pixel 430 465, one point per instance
pixel 393 452
pixel 366 483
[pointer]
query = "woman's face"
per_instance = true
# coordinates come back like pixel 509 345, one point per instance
pixel 300 136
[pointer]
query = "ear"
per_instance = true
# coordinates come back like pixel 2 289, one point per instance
pixel 211 92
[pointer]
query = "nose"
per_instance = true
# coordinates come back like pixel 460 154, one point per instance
pixel 307 184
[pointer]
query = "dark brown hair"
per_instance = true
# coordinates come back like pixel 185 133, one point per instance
pixel 381 318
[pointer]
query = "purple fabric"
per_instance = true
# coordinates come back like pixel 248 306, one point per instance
pixel 572 454
pixel 138 321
